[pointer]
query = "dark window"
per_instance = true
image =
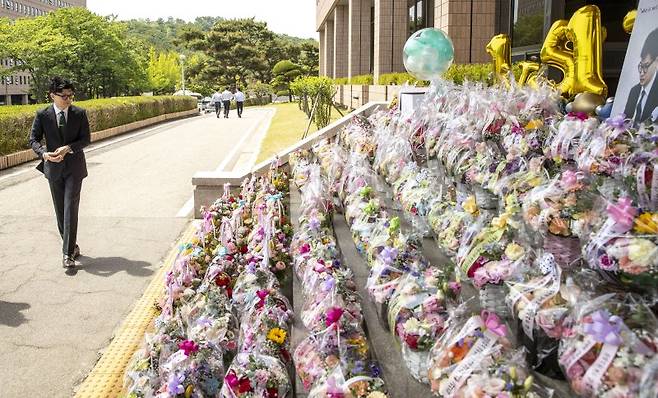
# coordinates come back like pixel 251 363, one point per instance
pixel 527 22
pixel 421 14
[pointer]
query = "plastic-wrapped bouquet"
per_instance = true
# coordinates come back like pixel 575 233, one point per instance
pixel 336 384
pixel 418 315
pixel 256 376
pixel 605 345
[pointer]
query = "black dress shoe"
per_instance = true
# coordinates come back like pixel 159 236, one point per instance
pixel 76 252
pixel 68 261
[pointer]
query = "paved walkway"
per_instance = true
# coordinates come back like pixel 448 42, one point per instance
pixel 134 205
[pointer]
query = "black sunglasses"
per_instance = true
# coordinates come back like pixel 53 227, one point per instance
pixel 65 96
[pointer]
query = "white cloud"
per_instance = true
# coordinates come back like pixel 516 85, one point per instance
pixel 292 17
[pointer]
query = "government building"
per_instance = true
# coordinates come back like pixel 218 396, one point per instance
pixel 15 89
pixel 360 37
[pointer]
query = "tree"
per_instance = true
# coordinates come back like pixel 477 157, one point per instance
pixel 92 51
pixel 285 72
pixel 163 71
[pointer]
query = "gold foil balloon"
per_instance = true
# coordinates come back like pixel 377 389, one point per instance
pixel 500 50
pixel 529 71
pixel 576 48
pixel 629 21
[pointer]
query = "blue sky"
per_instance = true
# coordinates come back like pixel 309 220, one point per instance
pixel 293 17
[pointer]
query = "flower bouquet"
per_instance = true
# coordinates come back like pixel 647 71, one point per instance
pixel 562 142
pixel 256 376
pixel 336 384
pixel 253 279
pixel 562 211
pixel 462 348
pixel 605 345
pixel 341 343
pixel 418 315
pixel 317 308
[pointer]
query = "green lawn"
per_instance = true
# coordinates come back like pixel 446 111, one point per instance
pixel 288 126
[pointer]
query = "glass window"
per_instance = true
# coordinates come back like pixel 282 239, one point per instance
pixel 527 22
pixel 420 14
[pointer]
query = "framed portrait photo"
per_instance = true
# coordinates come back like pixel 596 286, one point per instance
pixel 637 92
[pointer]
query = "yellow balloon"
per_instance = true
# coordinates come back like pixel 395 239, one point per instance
pixel 500 50
pixel 629 21
pixel 576 48
pixel 529 71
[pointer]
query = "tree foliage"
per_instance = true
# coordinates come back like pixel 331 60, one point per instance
pixel 285 72
pixel 91 50
pixel 163 71
pixel 315 98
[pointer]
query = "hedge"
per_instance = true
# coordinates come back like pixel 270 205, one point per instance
pixel 16 120
pixel 457 73
pixel 255 101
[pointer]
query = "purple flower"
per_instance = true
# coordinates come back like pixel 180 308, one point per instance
pixel 606 263
pixel 329 284
pixel 175 384
pixel 314 223
pixel 618 122
pixel 388 255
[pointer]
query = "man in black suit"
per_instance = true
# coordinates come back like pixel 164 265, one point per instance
pixel 66 129
pixel 643 98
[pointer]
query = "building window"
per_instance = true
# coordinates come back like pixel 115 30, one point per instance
pixel 421 14
pixel 527 22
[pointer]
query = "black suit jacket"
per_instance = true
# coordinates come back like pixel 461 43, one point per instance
pixel 650 104
pixel 76 135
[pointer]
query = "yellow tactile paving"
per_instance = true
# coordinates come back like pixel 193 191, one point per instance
pixel 106 378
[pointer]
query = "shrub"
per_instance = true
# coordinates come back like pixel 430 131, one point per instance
pixel 16 120
pixel 341 81
pixel 361 79
pixel 255 101
pixel 311 89
pixel 399 79
pixel 282 93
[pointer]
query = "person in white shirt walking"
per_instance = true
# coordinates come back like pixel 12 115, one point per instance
pixel 227 96
pixel 217 101
pixel 239 100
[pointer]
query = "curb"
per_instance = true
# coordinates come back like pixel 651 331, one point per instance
pixel 27 155
pixel 106 378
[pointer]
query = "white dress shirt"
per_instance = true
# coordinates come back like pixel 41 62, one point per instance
pixel 226 95
pixel 239 96
pixel 57 111
pixel 217 97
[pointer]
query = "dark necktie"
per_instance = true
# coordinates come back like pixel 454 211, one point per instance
pixel 638 108
pixel 61 123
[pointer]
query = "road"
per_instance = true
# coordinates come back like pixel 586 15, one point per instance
pixel 134 205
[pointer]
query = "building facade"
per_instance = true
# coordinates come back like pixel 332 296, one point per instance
pixel 15 89
pixel 360 37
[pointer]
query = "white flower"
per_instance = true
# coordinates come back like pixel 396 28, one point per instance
pixel 493 386
pixel 411 324
pixel 639 360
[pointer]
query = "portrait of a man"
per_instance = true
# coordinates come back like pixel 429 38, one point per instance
pixel 643 97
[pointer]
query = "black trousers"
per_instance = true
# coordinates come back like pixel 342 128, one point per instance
pixel 227 107
pixel 218 107
pixel 240 107
pixel 66 199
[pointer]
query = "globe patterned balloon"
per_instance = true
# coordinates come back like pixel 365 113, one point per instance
pixel 428 53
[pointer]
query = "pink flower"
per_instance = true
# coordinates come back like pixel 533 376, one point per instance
pixel 333 315
pixel 305 248
pixel 569 180
pixel 606 263
pixel 623 213
pixel 189 347
pixel 456 287
pixel 480 277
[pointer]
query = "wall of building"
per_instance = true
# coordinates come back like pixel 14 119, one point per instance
pixel 14 89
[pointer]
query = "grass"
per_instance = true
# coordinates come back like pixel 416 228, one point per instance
pixel 287 127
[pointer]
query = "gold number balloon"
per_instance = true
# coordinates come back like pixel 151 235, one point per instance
pixel 500 50
pixel 529 71
pixel 629 21
pixel 576 48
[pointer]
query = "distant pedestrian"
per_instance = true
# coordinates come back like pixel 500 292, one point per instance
pixel 227 96
pixel 66 130
pixel 239 101
pixel 217 101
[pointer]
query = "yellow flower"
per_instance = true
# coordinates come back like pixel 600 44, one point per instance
pixel 514 251
pixel 500 221
pixel 641 251
pixel 376 394
pixel 647 223
pixel 189 390
pixel 534 124
pixel 470 206
pixel 277 335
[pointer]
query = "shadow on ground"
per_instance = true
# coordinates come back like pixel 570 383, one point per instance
pixel 108 266
pixel 10 313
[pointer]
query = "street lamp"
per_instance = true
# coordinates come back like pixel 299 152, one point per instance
pixel 182 64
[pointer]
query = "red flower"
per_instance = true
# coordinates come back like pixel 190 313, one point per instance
pixel 244 385
pixel 223 280
pixel 189 347
pixel 243 249
pixel 412 341
pixel 476 265
pixel 272 393
pixel 229 292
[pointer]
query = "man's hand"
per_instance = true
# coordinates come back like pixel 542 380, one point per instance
pixel 52 157
pixel 63 150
